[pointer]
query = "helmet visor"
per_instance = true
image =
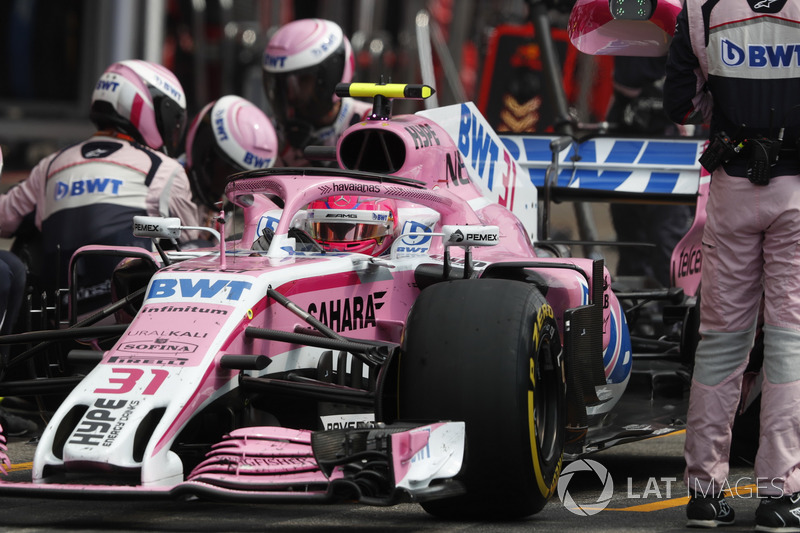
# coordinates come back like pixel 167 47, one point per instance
pixel 347 231
pixel 308 93
pixel 170 121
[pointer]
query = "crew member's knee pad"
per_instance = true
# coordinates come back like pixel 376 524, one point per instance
pixel 781 354
pixel 720 354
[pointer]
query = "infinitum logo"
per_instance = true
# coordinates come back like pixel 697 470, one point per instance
pixel 588 508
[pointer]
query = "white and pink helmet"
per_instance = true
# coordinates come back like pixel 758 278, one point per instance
pixel 144 100
pixel 355 224
pixel 228 135
pixel 303 62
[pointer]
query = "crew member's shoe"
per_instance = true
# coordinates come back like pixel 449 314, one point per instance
pixel 779 514
pixel 708 511
pixel 17 426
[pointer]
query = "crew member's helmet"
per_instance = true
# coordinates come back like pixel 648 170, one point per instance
pixel 303 62
pixel 144 100
pixel 353 224
pixel 227 136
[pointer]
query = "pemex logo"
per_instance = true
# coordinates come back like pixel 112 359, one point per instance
pixel 591 508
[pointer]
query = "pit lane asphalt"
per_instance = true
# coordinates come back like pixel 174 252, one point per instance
pixel 648 495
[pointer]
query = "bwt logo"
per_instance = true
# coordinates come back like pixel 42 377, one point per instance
pixel 87 186
pixel 379 217
pixel 168 88
pixel 477 145
pixel 759 56
pixel 104 85
pixel 324 47
pixel 274 61
pixel 267 222
pixel 201 288
pixel 255 161
pixel 219 125
pixel 732 55
pixel 414 243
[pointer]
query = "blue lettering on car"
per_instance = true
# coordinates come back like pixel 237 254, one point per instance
pixel 201 288
pixel 474 141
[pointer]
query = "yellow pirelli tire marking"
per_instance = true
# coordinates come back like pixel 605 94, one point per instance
pixel 543 488
pixel 547 490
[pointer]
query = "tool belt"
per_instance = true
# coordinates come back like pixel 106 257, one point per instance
pixel 760 154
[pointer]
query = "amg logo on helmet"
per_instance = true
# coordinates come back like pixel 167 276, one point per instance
pixel 341 215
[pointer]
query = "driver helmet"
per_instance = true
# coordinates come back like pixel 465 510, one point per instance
pixel 144 100
pixel 353 224
pixel 227 136
pixel 303 62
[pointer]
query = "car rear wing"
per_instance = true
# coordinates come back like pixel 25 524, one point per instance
pixel 609 169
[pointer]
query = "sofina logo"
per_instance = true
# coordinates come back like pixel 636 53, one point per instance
pixel 585 509
pixel 732 55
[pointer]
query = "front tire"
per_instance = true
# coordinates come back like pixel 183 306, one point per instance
pixel 487 352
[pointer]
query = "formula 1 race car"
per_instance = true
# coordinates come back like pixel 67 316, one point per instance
pixel 457 369
pixel 460 369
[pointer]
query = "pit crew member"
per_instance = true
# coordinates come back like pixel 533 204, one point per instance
pixel 303 61
pixel 729 64
pixel 88 193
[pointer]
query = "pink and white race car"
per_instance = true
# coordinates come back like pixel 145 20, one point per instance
pixel 458 370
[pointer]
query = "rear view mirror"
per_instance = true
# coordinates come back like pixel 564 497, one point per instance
pixel 623 27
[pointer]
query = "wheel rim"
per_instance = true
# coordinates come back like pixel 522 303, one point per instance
pixel 546 399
